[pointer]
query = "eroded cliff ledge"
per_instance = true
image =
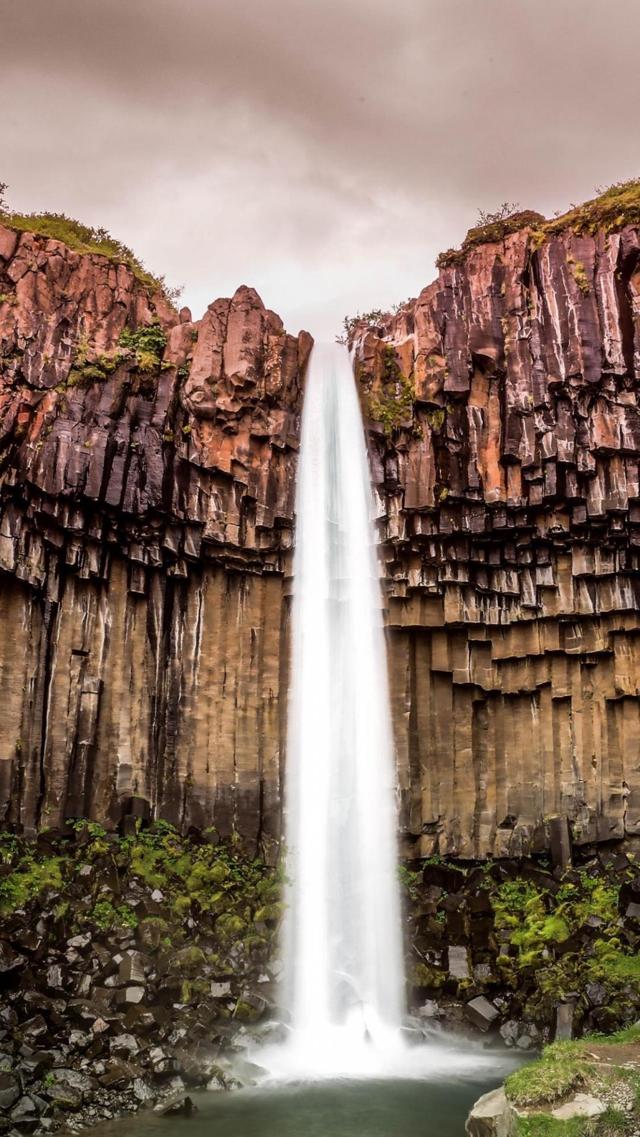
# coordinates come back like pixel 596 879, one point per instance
pixel 505 454
pixel 146 488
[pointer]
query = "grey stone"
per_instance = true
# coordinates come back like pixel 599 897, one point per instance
pixel 178 1105
pixel 560 841
pixel 459 962
pixel 142 1092
pixel 54 977
pixel 220 990
pixel 429 1010
pixel 582 1105
pixel 481 1012
pixel 123 1044
pixel 510 1032
pixel 596 994
pixel 25 1109
pixel 9 1090
pixel 564 1022
pixel 131 968
pixel 81 941
pixel 491 1116
pixel 130 996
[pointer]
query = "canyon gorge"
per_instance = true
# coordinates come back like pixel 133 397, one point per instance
pixel 147 475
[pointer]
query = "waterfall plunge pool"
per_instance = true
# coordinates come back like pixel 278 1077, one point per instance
pixel 389 1108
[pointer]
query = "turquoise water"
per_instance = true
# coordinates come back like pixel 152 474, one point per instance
pixel 326 1109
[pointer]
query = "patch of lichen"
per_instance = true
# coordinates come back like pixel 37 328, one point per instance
pixel 612 210
pixel 86 239
pixel 393 405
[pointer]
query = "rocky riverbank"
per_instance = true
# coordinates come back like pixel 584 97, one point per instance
pixel 138 964
pixel 589 1088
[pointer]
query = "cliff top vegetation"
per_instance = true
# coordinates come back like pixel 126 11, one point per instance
pixel 84 239
pixel 614 207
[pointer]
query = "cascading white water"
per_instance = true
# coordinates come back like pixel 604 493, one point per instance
pixel 344 974
pixel 343 951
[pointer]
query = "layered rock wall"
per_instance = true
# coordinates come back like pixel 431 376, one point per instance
pixel 506 457
pixel 146 490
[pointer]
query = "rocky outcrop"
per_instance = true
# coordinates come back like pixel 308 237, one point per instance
pixel 146 495
pixel 504 419
pixel 588 1087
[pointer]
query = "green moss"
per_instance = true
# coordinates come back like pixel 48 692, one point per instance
pixel 105 915
pixel 153 933
pixel 86 239
pixel 394 404
pixel 616 206
pixel 436 418
pixel 410 881
pixel 579 274
pixel 543 1125
pixel 31 876
pixel 145 346
pixel 245 1012
pixel 188 961
pixel 424 976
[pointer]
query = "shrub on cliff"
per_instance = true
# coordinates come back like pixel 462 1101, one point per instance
pixel 84 239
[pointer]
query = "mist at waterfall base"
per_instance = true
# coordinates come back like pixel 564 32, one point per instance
pixel 343 959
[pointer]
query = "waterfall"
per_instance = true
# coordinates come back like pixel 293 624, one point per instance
pixel 343 952
pixel 344 974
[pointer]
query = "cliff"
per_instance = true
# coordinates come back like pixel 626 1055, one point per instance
pixel 505 440
pixel 147 469
pixel 146 492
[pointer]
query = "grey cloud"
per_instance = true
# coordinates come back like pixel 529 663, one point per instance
pixel 323 151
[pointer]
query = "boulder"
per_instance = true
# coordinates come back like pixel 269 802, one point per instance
pixel 458 962
pixel 481 1013
pixel 492 1116
pixel 9 1090
pixel 178 1105
pixel 582 1105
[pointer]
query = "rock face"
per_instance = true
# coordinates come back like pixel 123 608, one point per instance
pixel 147 469
pixel 146 497
pixel 505 440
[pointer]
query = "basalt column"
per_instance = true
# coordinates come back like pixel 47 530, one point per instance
pixel 146 491
pixel 504 419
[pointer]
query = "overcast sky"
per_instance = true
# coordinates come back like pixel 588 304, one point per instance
pixel 323 151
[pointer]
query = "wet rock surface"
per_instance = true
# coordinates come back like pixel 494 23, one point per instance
pixel 144 971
